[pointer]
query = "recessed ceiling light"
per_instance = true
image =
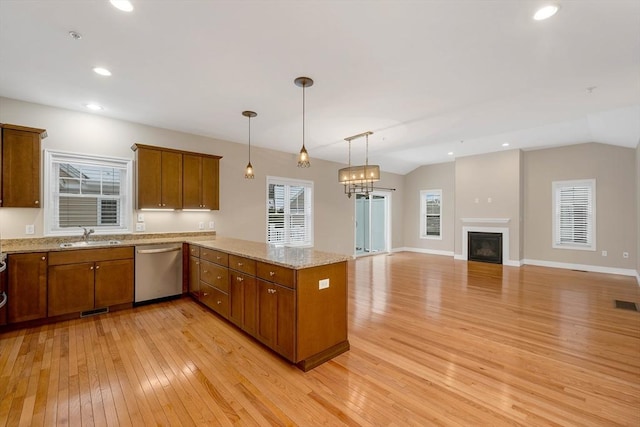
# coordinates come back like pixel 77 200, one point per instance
pixel 545 12
pixel 505 144
pixel 123 5
pixel 102 71
pixel 94 107
pixel 450 153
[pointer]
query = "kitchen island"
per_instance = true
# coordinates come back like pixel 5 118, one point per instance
pixel 293 300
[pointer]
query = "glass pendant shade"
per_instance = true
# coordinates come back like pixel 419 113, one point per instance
pixel 303 157
pixel 248 172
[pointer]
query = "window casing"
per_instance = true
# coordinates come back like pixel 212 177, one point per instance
pixel 431 214
pixel 289 212
pixel 574 214
pixel 86 191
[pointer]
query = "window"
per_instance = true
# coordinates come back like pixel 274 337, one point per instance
pixel 574 214
pixel 289 212
pixel 86 191
pixel 431 214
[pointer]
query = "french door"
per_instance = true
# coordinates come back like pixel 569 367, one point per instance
pixel 372 223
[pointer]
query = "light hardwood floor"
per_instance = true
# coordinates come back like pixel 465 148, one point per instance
pixel 433 342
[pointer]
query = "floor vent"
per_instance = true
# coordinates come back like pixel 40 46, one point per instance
pixel 94 312
pixel 626 305
pixel 581 271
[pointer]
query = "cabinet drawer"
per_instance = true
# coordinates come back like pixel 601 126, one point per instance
pixel 245 265
pixel 214 275
pixel 89 255
pixel 275 273
pixel 194 251
pixel 214 299
pixel 214 256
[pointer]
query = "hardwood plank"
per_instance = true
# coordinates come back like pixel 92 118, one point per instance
pixel 434 341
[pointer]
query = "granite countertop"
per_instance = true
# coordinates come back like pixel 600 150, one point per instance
pixel 50 244
pixel 295 258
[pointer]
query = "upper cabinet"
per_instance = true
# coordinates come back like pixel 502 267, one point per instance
pixel 200 181
pixel 158 178
pixel 173 179
pixel 20 159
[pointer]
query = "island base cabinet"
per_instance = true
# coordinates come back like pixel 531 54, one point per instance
pixel 276 311
pixel 214 299
pixel 70 288
pixel 242 310
pixel 27 287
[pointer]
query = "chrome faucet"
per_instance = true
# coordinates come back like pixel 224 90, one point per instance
pixel 86 233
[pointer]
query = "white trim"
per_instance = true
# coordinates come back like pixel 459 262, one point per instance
pixel 486 220
pixel 586 267
pixel 387 224
pixel 555 215
pixel 423 251
pixel 638 277
pixel 505 241
pixel 423 214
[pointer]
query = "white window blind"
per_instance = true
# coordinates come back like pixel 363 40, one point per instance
pixel 86 191
pixel 574 214
pixel 431 214
pixel 289 212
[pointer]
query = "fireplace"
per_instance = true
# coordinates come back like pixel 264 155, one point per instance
pixel 485 247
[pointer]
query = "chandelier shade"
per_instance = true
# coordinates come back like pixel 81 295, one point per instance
pixel 359 179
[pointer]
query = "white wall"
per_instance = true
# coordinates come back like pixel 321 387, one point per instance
pixel 242 211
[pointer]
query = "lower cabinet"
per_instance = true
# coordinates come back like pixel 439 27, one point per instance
pixel 243 296
pixel 27 287
pixel 86 279
pixel 276 311
pixel 194 276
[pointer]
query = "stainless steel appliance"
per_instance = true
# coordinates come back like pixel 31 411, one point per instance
pixel 158 272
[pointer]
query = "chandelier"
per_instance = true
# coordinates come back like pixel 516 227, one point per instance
pixel 359 179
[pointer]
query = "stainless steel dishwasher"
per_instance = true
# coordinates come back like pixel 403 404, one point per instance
pixel 158 272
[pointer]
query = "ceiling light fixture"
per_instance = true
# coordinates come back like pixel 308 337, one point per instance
pixel 450 153
pixel 75 35
pixel 546 12
pixel 359 179
pixel 102 71
pixel 303 157
pixel 94 107
pixel 123 5
pixel 505 144
pixel 248 173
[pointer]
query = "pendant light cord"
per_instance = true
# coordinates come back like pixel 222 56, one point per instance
pixel 249 139
pixel 304 85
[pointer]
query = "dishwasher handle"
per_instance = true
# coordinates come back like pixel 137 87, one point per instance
pixel 158 251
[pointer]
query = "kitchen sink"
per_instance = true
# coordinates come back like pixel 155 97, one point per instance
pixel 91 243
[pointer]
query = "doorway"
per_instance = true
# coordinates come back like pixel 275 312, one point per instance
pixel 372 223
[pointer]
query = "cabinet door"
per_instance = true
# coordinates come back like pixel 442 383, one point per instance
pixel 276 317
pixel 171 177
pixel 27 287
pixel 242 304
pixel 148 168
pixel 71 288
pixel 194 276
pixel 191 184
pixel 113 282
pixel 210 183
pixel 20 168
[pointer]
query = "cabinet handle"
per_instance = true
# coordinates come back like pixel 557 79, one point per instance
pixel 219 302
pixel 219 277
pixel 239 264
pixel 91 268
pixel 272 273
pixel 239 279
pixel 97 267
pixel 204 271
pixel 271 291
pixel 197 262
pixel 160 204
pixel 205 253
pixel 37 202
pixel 217 257
pixel 44 258
pixel 204 294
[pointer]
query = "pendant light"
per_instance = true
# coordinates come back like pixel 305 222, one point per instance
pixel 359 179
pixel 303 157
pixel 248 173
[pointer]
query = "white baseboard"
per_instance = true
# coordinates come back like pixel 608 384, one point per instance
pixel 585 267
pixel 423 251
pixel 638 277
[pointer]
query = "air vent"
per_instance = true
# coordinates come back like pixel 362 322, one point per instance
pixel 94 312
pixel 626 305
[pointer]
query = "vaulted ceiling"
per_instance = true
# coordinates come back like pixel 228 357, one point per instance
pixel 427 77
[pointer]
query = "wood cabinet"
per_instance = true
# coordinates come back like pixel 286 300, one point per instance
pixel 209 279
pixel 27 287
pixel 86 279
pixel 175 179
pixel 200 181
pixel 20 159
pixel 158 178
pixel 299 313
pixel 276 311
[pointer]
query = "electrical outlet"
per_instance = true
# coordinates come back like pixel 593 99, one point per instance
pixel 489 200
pixel 604 253
pixel 212 225
pixel 140 217
pixel 625 254
pixel 323 284
pixel 140 226
pixel 30 229
pixel 201 225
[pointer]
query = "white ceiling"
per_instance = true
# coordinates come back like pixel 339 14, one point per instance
pixel 427 77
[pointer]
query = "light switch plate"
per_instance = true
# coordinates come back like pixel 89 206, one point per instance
pixel 140 217
pixel 212 225
pixel 140 226
pixel 201 225
pixel 30 229
pixel 323 284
